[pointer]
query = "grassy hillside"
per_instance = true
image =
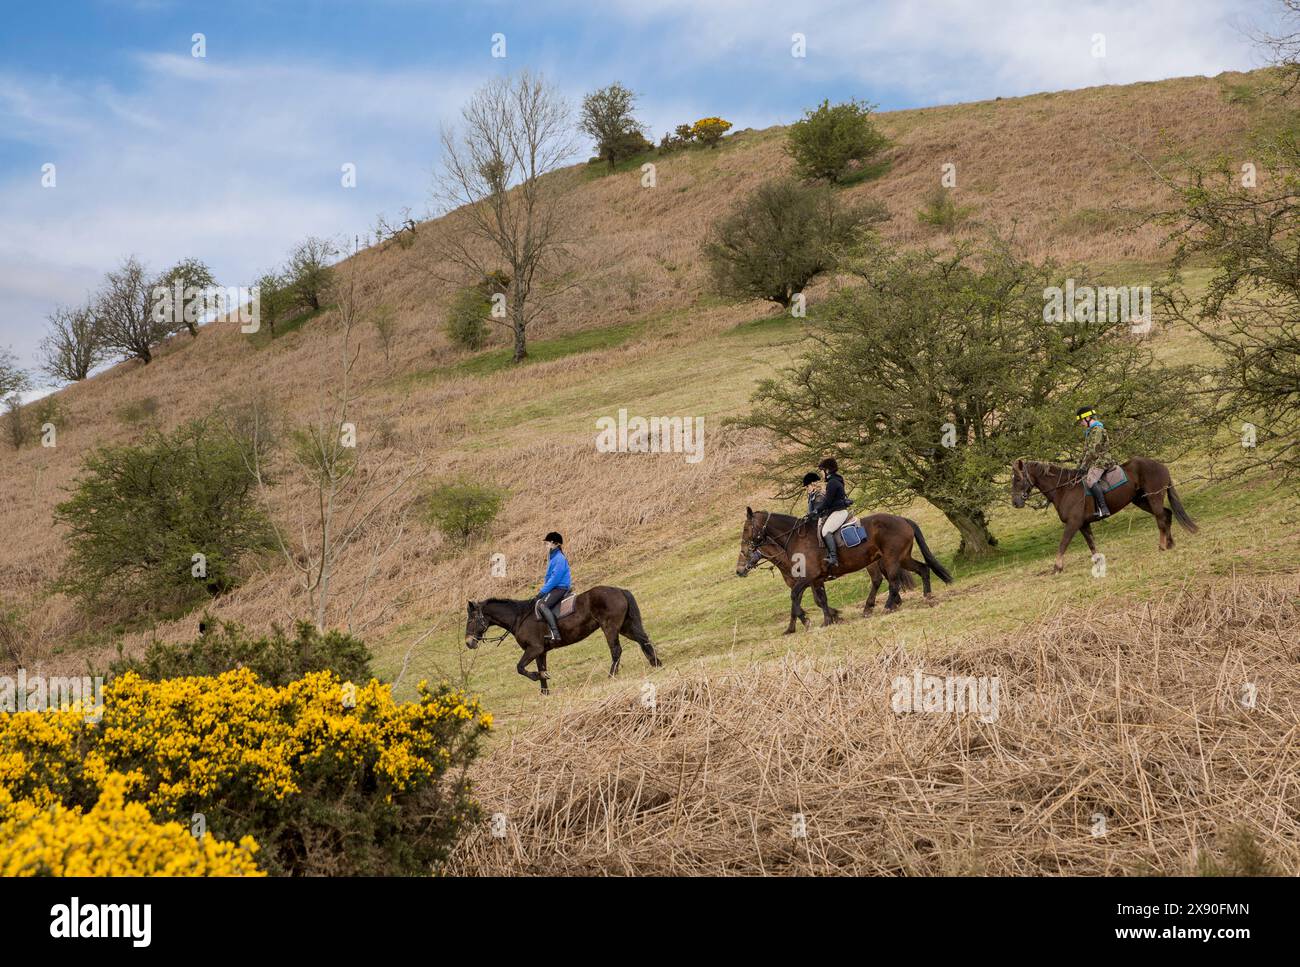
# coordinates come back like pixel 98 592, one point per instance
pixel 641 332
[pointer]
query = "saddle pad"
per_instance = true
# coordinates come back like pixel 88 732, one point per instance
pixel 852 534
pixel 561 610
pixel 1112 478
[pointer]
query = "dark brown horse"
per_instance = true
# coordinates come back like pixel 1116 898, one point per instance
pixel 794 546
pixel 1148 483
pixel 612 610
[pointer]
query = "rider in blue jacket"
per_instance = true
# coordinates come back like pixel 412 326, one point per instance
pixel 557 583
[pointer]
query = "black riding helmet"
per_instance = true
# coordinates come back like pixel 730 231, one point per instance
pixel 811 478
pixel 553 538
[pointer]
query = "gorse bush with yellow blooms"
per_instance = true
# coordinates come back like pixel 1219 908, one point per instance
pixel 325 777
pixel 115 838
pixel 709 131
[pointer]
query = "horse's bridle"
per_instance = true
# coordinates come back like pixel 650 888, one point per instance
pixel 481 640
pixel 756 543
pixel 1033 485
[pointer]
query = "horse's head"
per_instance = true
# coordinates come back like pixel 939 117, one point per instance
pixel 752 537
pixel 476 625
pixel 1021 483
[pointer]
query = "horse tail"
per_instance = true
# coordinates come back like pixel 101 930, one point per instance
pixel 930 559
pixel 633 628
pixel 1183 517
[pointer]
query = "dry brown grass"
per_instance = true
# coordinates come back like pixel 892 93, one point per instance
pixel 1129 713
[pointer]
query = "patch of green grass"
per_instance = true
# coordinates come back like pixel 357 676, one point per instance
pixel 263 337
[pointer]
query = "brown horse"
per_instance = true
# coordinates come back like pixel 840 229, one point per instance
pixel 1148 482
pixel 612 610
pixel 794 546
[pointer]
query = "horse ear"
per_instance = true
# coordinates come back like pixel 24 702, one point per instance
pixel 471 607
pixel 749 512
pixel 1020 464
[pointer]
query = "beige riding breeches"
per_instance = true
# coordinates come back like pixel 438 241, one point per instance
pixel 834 522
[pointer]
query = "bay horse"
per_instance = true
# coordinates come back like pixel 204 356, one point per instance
pixel 794 546
pixel 1148 482
pixel 612 610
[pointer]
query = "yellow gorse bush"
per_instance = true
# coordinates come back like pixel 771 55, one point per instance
pixel 710 130
pixel 115 838
pixel 202 744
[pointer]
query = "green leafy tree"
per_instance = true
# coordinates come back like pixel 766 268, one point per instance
pixel 934 372
pixel 309 272
pixel 1249 311
pixel 774 242
pixel 139 514
pixel 276 299
pixel 191 277
pixel 606 117
pixel 828 140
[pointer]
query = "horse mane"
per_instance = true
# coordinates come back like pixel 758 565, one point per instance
pixel 513 601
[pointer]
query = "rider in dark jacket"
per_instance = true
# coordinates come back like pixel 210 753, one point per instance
pixel 833 499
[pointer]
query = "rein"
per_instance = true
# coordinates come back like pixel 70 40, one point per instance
pixel 756 554
pixel 1047 500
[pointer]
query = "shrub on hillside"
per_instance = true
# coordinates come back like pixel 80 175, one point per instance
pixel 776 240
pixel 829 139
pixel 326 777
pixel 276 659
pixel 462 510
pixel 941 210
pixel 682 137
pixel 161 524
pixel 466 324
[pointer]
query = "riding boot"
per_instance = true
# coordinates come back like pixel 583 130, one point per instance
pixel 550 622
pixel 832 560
pixel 1099 499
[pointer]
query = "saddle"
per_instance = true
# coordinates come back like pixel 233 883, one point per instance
pixel 1112 478
pixel 561 610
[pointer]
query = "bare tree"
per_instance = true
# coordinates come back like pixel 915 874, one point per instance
pixel 515 132
pixel 352 495
pixel 74 345
pixel 124 312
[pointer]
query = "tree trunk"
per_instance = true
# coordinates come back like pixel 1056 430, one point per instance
pixel 976 541
pixel 521 347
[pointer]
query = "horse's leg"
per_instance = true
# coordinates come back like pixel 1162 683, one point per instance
pixel 894 599
pixel 829 614
pixel 532 651
pixel 636 631
pixel 796 609
pixel 615 649
pixel 921 568
pixel 541 672
pixel 876 577
pixel 1164 519
pixel 1086 531
pixel 1071 527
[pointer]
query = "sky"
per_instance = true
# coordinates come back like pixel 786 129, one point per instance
pixel 234 156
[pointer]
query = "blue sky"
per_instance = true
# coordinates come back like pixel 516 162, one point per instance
pixel 235 156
